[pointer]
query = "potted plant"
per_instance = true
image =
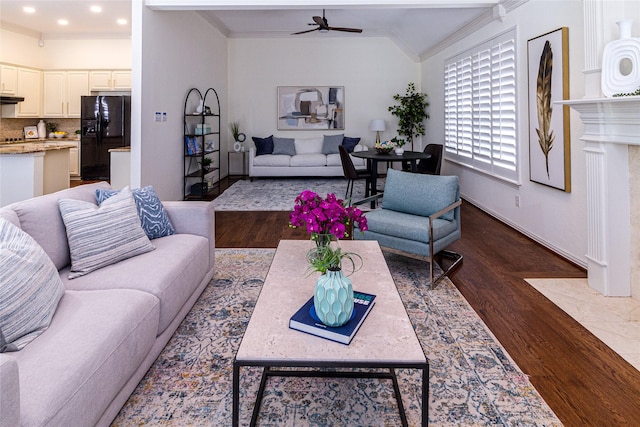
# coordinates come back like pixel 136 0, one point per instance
pixel 238 136
pixel 398 143
pixel 324 219
pixel 51 127
pixel 411 112
pixel 205 163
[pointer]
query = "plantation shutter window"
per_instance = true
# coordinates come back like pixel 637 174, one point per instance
pixel 480 108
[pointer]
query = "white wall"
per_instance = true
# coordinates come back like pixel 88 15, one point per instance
pixel 372 70
pixel 555 218
pixel 87 54
pixel 177 51
pixel 20 49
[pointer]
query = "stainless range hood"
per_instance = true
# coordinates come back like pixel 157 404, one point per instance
pixel 7 100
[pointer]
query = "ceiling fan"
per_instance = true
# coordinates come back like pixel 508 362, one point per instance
pixel 323 26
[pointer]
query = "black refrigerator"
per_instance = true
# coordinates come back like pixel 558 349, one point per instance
pixel 105 124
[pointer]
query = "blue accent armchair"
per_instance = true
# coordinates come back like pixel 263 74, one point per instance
pixel 420 216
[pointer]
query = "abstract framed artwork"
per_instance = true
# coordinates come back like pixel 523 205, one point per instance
pixel 311 107
pixel 549 131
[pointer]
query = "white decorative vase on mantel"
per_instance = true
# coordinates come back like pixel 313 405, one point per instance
pixel 621 63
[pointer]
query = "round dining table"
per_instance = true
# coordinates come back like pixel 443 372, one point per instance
pixel 373 158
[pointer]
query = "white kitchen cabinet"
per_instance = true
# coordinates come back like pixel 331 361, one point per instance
pixel 55 93
pixel 121 80
pixel 30 87
pixel 105 80
pixel 8 79
pixel 77 86
pixel 62 92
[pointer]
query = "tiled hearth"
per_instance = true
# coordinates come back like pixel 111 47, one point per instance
pixel 615 321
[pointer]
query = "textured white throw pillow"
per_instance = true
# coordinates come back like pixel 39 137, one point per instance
pixel 30 288
pixel 104 235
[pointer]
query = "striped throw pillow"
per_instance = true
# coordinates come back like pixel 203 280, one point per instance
pixel 30 288
pixel 154 219
pixel 104 235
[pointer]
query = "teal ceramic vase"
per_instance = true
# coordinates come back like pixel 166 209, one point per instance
pixel 333 298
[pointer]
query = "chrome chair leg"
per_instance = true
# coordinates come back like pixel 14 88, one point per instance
pixel 457 260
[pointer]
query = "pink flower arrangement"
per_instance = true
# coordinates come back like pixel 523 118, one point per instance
pixel 325 216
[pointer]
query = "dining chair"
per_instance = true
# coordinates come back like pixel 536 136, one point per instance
pixel 432 165
pixel 352 174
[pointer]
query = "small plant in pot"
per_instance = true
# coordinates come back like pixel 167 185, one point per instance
pixel 205 163
pixel 235 130
pixel 238 136
pixel 399 144
pixel 52 127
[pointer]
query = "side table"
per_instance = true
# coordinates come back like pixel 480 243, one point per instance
pixel 244 162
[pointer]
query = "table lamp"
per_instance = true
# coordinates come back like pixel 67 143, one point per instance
pixel 377 125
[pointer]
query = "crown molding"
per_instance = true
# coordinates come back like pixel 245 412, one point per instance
pixel 498 12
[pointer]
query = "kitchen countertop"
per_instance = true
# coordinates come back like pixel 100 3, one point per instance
pixel 37 146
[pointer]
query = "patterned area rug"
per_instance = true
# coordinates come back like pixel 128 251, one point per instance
pixel 473 381
pixel 279 194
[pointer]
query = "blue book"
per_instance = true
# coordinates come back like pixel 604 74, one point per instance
pixel 305 320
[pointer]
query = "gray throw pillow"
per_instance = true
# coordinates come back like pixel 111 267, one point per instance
pixel 30 288
pixel 154 219
pixel 104 235
pixel 331 143
pixel 284 146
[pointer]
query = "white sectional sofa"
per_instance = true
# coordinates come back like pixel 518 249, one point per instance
pixel 110 324
pixel 301 157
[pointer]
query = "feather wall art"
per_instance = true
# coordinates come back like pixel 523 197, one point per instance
pixel 543 102
pixel 549 127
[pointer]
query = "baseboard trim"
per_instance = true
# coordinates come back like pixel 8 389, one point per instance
pixel 569 257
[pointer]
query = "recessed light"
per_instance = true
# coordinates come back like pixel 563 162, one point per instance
pixel 96 9
pixel 29 9
pixel 122 21
pixel 63 22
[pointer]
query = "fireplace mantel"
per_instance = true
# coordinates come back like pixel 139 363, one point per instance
pixel 611 125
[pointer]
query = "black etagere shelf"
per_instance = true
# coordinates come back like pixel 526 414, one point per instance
pixel 201 144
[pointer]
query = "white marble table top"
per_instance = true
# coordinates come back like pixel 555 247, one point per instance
pixel 386 336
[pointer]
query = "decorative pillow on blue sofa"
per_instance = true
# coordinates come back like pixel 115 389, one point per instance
pixel 331 142
pixel 350 143
pixel 263 145
pixel 153 218
pixel 284 146
pixel 102 235
pixel 30 288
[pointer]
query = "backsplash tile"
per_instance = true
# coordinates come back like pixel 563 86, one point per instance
pixel 14 128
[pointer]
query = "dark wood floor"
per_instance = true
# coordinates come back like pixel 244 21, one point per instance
pixel 584 382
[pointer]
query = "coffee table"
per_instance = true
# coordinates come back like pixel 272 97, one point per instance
pixel 386 340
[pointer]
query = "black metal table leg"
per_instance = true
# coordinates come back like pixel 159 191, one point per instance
pixel 236 394
pixel 425 396
pixel 256 408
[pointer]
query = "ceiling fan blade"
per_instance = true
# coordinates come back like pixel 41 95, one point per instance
pixel 306 31
pixel 348 30
pixel 320 21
